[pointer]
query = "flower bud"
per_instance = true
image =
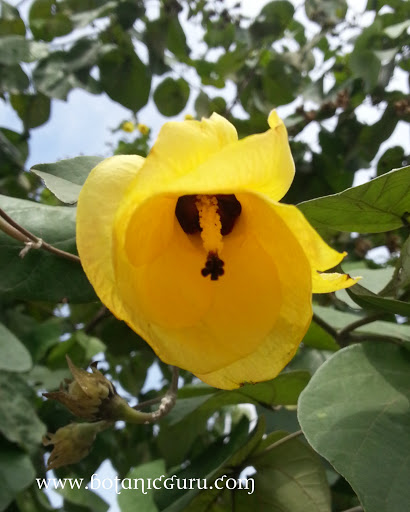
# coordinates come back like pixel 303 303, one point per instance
pixel 71 443
pixel 89 395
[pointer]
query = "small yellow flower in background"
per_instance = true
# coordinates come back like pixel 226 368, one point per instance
pixel 191 248
pixel 143 129
pixel 128 126
pixel 188 117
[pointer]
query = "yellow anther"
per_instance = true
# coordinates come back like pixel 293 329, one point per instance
pixel 210 222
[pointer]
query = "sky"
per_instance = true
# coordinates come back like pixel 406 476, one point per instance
pixel 69 132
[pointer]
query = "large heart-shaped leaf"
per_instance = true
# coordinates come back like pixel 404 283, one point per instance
pixel 356 413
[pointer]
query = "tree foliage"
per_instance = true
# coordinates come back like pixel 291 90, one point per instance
pixel 338 80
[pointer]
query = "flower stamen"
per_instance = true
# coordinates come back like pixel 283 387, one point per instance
pixel 211 227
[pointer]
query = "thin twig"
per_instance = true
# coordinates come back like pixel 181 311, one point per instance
pixel 359 323
pixel 102 313
pixel 325 326
pixel 346 335
pixel 282 441
pixel 31 241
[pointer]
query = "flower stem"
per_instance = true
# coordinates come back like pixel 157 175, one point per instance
pixel 166 403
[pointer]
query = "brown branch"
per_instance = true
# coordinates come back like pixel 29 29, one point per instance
pixel 325 326
pixel 102 313
pixel 359 323
pixel 31 241
pixel 346 335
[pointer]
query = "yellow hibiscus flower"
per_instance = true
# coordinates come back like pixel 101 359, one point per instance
pixel 191 248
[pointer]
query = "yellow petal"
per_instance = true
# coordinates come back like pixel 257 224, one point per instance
pixel 190 321
pixel 97 204
pixel 259 163
pixel 320 255
pixel 325 283
pixel 205 157
pixel 182 147
pixel 294 315
pixel 205 326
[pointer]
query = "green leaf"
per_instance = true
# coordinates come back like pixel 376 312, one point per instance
pixel 37 337
pixel 13 151
pixel 373 207
pixel 51 76
pixel 41 275
pixel 171 96
pixel 66 177
pixel 326 13
pixel 355 412
pixel 272 21
pixel 283 91
pixel 219 458
pixel 16 473
pixel 368 300
pixel 80 347
pixel 404 274
pixel 310 359
pixel 83 498
pixel 283 390
pixel 140 498
pixel 176 40
pixel 188 418
pixel 15 49
pixel 84 54
pixel 392 158
pixel 14 356
pixel 19 422
pixel 372 279
pixel 40 377
pixel 125 78
pixel 372 136
pixel 46 20
pixel 363 61
pixel 219 33
pixel 365 292
pixel 10 21
pixel 366 65
pixel 33 109
pixel 289 478
pixel 84 18
pixel 395 31
pixel 317 337
pixel 13 79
